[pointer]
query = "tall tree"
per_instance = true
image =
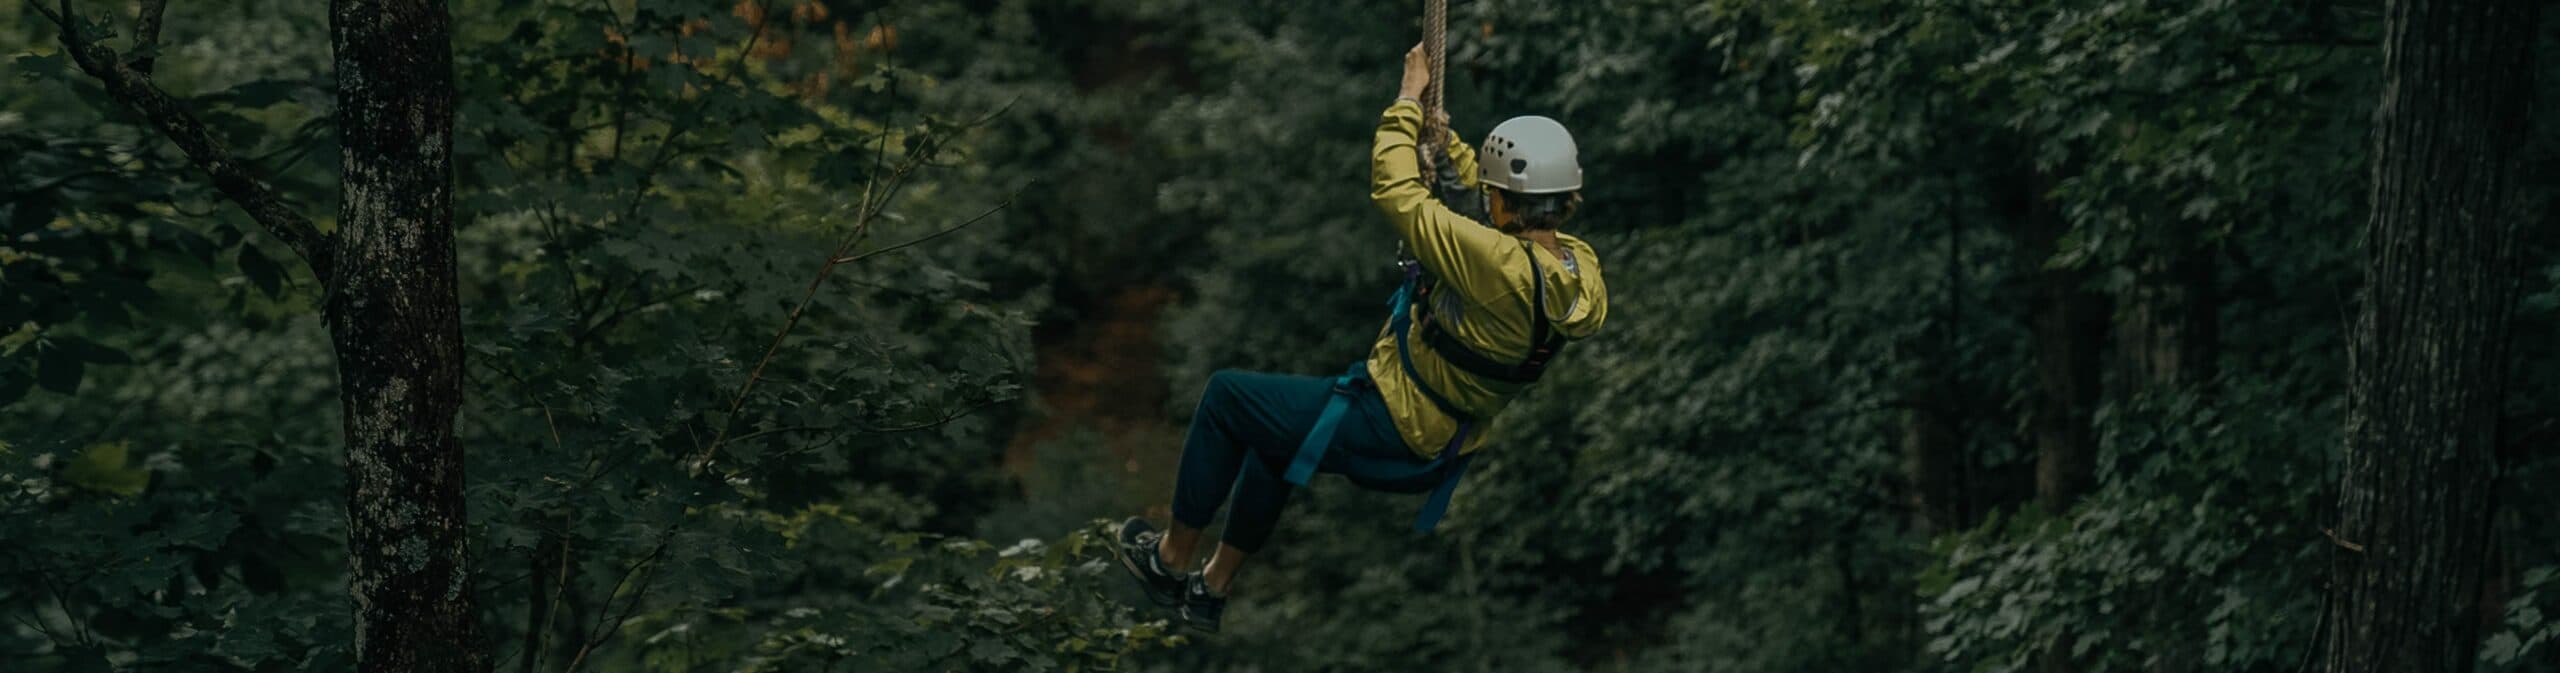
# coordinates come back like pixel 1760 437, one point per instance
pixel 2428 345
pixel 395 319
pixel 2167 330
pixel 388 282
pixel 1934 456
pixel 2067 322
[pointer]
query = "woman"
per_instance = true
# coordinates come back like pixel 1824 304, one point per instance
pixel 1504 300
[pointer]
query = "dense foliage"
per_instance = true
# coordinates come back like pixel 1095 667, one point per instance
pixel 1806 441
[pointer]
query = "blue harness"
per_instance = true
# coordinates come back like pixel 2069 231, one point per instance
pixel 1451 464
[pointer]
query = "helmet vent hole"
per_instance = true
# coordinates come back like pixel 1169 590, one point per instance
pixel 1519 167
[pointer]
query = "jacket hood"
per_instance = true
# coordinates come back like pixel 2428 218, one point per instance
pixel 1578 280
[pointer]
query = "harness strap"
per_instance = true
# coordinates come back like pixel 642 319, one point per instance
pixel 1402 322
pixel 1451 464
pixel 1311 451
pixel 1452 461
pixel 1544 341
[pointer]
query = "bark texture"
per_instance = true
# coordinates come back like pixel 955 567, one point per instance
pixel 394 315
pixel 2424 357
pixel 2068 323
pixel 2167 332
pixel 1934 458
pixel 391 303
pixel 2070 327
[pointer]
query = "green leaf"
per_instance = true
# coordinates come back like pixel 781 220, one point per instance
pixel 261 271
pixel 262 93
pixel 103 467
pixel 59 371
pixel 747 136
pixel 32 66
pixel 202 531
pixel 892 567
pixel 90 351
pixel 26 333
pixel 13 385
pixel 991 651
pixel 2502 648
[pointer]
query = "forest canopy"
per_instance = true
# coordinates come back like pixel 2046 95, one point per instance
pixel 794 335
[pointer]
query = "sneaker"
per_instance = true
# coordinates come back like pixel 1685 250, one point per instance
pixel 1200 609
pixel 1136 548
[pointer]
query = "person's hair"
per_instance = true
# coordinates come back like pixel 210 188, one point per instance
pixel 1541 211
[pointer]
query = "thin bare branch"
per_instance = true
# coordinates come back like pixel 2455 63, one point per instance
pixel 703 461
pixel 2342 542
pixel 785 430
pixel 666 149
pixel 864 217
pixel 235 179
pixel 865 214
pixel 945 419
pixel 603 632
pixel 867 429
pixel 991 117
pixel 621 311
pixel 1008 201
pixel 559 590
pixel 49 15
pixel 49 185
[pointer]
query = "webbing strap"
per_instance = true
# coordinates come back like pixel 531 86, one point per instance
pixel 1454 466
pixel 1544 341
pixel 1452 461
pixel 1319 438
pixel 1451 464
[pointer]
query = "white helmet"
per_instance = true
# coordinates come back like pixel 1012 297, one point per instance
pixel 1530 155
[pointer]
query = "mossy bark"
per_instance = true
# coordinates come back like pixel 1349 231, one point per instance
pixel 394 316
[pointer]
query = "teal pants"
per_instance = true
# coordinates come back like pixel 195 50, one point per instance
pixel 1248 427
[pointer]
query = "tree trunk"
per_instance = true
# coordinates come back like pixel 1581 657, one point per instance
pixel 393 311
pixel 2426 351
pixel 2068 322
pixel 2168 331
pixel 1934 458
pixel 395 319
pixel 2070 336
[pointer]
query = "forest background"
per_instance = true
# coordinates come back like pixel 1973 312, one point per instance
pixel 1951 335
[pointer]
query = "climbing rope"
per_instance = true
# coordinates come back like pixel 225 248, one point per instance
pixel 1435 48
pixel 1443 181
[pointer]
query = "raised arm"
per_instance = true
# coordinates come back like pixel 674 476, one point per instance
pixel 1457 249
pixel 1453 247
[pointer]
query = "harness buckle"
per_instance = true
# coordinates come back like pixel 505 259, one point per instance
pixel 1349 385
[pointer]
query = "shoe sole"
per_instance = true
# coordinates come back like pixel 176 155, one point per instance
pixel 1197 627
pixel 1194 624
pixel 1129 563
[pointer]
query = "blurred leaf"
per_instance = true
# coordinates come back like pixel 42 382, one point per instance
pixel 59 370
pixel 262 272
pixel 102 467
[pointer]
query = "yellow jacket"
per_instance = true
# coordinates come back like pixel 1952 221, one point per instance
pixel 1483 298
